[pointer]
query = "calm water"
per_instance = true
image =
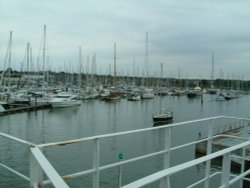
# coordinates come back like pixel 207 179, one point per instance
pixel 99 117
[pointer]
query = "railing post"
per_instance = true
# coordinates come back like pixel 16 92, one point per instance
pixel 120 176
pixel 165 182
pixel 242 164
pixel 120 156
pixel 36 172
pixel 96 163
pixel 209 151
pixel 245 128
pixel 225 170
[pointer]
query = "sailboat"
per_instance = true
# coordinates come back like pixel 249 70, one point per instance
pixel 212 90
pixel 147 93
pixel 6 74
pixel 114 94
pixel 163 116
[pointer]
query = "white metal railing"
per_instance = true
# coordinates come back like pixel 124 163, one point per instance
pixel 27 144
pixel 39 163
pixel 225 153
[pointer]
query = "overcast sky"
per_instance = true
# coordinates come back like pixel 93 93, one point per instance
pixel 182 34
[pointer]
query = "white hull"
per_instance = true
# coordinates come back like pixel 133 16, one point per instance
pixel 64 100
pixel 2 109
pixel 64 104
pixel 136 98
pixel 148 95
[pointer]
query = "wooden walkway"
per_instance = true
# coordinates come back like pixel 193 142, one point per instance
pixel 23 108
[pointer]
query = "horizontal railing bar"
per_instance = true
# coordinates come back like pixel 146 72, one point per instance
pixel 246 158
pixel 62 143
pixel 74 175
pixel 192 143
pixel 232 136
pixel 231 117
pixel 15 172
pixel 239 177
pixel 215 174
pixel 51 173
pixel 17 139
pixel 204 179
pixel 70 176
pixel 132 160
pixel 172 170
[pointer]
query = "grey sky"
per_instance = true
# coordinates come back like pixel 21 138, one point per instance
pixel 182 34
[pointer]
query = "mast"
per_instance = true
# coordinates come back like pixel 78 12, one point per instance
pixel 109 69
pixel 134 71
pixel 114 63
pixel 212 75
pixel 161 74
pixel 44 51
pixel 31 62
pixel 9 62
pixel 93 71
pixel 146 59
pixel 80 66
pixel 28 57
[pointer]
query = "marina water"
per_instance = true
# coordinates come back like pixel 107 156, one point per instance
pixel 95 117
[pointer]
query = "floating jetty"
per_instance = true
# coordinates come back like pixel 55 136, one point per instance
pixel 17 108
pixel 227 139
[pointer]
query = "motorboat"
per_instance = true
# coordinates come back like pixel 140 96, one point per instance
pixel 197 91
pixel 134 97
pixel 104 93
pixel 148 94
pixel 163 116
pixel 220 97
pixel 64 99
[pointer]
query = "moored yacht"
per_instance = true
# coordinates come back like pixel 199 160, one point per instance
pixel 134 97
pixel 197 91
pixel 112 96
pixel 64 99
pixel 163 116
pixel 148 94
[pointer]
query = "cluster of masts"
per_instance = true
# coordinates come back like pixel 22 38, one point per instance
pixel 42 67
